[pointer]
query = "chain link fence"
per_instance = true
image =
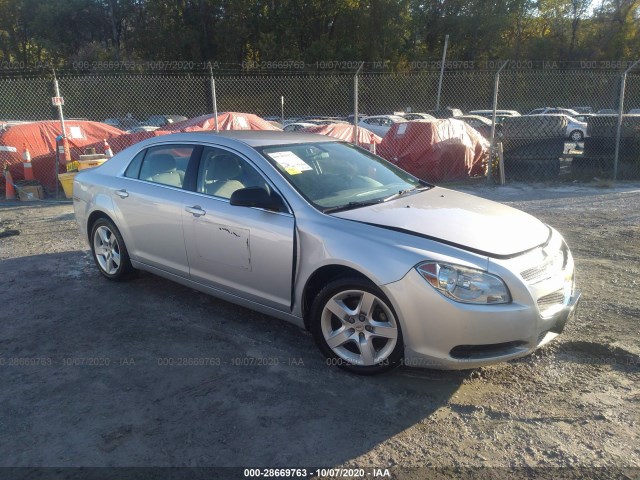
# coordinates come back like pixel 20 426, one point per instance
pixel 547 146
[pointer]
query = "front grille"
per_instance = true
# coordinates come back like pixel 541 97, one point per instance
pixel 551 301
pixel 532 274
pixel 550 266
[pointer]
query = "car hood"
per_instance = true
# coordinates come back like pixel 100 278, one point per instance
pixel 465 221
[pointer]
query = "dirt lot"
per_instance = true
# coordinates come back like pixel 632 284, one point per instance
pixel 95 373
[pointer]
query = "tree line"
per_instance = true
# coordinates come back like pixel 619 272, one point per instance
pixel 236 31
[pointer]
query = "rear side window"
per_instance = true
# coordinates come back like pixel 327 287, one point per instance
pixel 134 167
pixel 166 164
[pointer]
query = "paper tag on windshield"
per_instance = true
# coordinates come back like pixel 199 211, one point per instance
pixel 290 162
pixel 402 128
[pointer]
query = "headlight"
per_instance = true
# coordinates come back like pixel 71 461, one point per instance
pixel 466 285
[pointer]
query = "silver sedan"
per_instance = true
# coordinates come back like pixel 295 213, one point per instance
pixel 382 268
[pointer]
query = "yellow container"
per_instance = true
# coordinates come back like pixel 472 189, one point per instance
pixel 66 179
pixel 82 164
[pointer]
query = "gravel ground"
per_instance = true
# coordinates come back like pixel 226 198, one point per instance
pixel 109 378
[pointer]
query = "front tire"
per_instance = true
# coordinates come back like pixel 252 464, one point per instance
pixel 109 251
pixel 356 327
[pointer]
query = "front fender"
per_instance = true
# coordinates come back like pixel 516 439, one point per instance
pixel 381 255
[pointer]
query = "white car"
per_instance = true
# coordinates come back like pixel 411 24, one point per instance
pixel 552 111
pixel 576 130
pixel 499 113
pixel 417 116
pixel 380 124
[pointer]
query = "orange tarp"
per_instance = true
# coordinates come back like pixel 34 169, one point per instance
pixel 436 150
pixel 40 139
pixel 346 132
pixel 226 121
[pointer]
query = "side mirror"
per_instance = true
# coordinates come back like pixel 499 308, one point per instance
pixel 256 197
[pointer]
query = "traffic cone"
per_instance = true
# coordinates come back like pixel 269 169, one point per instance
pixel 107 149
pixel 26 163
pixel 67 150
pixel 10 192
pixel 64 151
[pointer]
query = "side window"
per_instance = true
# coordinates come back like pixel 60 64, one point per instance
pixel 166 164
pixel 221 173
pixel 134 167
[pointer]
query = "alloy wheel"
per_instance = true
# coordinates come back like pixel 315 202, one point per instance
pixel 106 250
pixel 359 327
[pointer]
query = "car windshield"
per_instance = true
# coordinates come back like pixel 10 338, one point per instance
pixel 339 176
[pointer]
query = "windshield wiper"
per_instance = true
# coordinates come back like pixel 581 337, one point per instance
pixel 402 193
pixel 351 205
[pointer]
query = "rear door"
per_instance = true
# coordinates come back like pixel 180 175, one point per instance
pixel 244 251
pixel 149 203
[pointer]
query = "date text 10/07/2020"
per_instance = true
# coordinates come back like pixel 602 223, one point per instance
pixel 317 472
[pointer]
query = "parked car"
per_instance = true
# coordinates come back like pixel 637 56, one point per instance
pixel 481 124
pixel 351 117
pixel 142 128
pixel 575 131
pixel 417 116
pixel 551 111
pixel 583 117
pixel 381 267
pixel 294 127
pixel 325 121
pixel 607 111
pixel 500 114
pixel 634 111
pixel 380 124
pixel 583 110
pixel 445 112
pixel 162 120
pixel 124 123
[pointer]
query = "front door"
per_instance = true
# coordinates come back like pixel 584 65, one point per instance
pixel 244 251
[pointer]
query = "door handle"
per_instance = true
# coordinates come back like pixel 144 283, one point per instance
pixel 196 211
pixel 122 193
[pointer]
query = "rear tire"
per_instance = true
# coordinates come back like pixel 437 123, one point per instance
pixel 356 327
pixel 576 136
pixel 109 251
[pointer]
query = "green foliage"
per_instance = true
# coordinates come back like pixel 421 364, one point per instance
pixel 233 31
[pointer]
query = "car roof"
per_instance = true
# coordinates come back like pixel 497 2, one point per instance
pixel 397 118
pixel 491 111
pixel 257 138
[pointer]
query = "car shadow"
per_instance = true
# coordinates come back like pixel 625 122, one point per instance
pixel 151 373
pixel 599 354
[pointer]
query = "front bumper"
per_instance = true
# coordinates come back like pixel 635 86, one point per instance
pixel 443 334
